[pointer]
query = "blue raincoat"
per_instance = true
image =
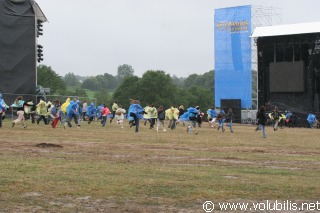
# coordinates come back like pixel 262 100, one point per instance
pixel 212 113
pixel 189 114
pixel 311 119
pixel 71 109
pixel 137 110
pixel 91 110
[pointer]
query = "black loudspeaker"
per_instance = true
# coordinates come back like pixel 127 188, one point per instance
pixel 235 105
pixel 17 47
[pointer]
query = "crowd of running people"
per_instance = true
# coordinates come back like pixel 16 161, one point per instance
pixel 73 110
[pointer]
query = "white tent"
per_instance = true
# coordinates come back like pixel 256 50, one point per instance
pixel 289 29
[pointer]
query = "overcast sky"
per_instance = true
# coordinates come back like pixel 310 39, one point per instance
pixel 92 37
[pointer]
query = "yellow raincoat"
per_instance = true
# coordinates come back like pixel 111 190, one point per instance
pixel 281 116
pixel 114 107
pixel 151 112
pixel 65 105
pixel 42 108
pixel 172 113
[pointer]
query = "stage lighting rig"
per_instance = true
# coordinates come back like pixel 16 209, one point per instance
pixel 39 28
pixel 39 53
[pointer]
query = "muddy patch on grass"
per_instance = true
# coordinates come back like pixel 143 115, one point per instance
pixel 48 145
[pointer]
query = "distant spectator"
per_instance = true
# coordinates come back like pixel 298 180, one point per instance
pixel 312 120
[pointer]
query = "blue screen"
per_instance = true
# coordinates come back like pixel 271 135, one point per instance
pixel 232 30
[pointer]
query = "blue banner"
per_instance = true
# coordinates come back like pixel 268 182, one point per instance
pixel 232 30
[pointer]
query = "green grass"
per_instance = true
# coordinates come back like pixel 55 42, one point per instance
pixel 115 170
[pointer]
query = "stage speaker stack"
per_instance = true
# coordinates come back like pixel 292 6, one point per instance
pixel 235 105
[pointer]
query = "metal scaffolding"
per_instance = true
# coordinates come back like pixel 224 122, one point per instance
pixel 261 16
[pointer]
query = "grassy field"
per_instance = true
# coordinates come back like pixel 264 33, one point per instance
pixel 109 169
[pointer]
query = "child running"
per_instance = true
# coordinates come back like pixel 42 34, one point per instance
pixel 120 115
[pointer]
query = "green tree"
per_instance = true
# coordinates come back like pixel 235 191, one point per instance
pixel 91 83
pixel 128 89
pixel 157 88
pixel 112 81
pixel 102 97
pixel 107 81
pixel 191 80
pixel 47 77
pixel 206 81
pixel 101 82
pixel 179 82
pixel 125 70
pixel 71 80
pixel 200 96
pixel 182 97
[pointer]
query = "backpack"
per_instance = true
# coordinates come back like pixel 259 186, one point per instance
pixel 193 116
pixel 161 115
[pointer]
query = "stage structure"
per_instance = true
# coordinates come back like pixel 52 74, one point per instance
pixel 289 67
pixel 20 25
pixel 235 54
pixel 261 16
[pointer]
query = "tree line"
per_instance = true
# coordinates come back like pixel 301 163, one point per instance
pixel 154 87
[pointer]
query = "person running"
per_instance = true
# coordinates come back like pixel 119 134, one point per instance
pixel 104 114
pixel 199 117
pixel 91 112
pixel 19 104
pixel 135 114
pixel 99 117
pixel 30 111
pixel 191 115
pixel 77 113
pixel 229 118
pixel 84 110
pixel 120 115
pixel 181 112
pixel 114 109
pixel 71 114
pixel 3 108
pixel 151 115
pixel 172 114
pixel 42 111
pixel 221 118
pixel 64 107
pixel 161 118
pixel 55 113
pixel 168 114
pixel 146 115
pixel 262 120
pixel 275 116
pixel 212 114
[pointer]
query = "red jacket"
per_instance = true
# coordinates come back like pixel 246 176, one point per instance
pixel 105 111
